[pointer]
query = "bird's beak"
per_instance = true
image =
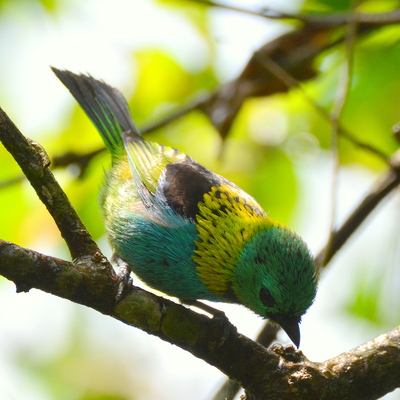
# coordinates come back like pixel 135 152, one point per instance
pixel 291 326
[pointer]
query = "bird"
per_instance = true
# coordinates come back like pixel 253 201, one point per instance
pixel 187 231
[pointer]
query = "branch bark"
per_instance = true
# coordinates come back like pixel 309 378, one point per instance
pixel 366 372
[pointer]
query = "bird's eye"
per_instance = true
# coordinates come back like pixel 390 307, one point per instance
pixel 266 298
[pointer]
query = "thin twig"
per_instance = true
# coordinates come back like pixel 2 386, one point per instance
pixel 323 20
pixel 291 82
pixel 12 181
pixel 264 13
pixel 227 391
pixel 335 116
pixel 82 160
pixel 380 191
pixel 193 105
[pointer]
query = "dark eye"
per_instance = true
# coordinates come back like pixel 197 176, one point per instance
pixel 266 298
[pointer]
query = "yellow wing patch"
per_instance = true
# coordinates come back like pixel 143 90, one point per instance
pixel 228 217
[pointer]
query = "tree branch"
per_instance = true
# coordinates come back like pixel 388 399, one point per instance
pixel 78 282
pixel 278 373
pixel 81 160
pixel 380 191
pixel 322 20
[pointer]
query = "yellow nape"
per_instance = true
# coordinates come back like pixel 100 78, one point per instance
pixel 228 217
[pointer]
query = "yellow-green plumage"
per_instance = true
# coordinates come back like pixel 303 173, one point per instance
pixel 187 231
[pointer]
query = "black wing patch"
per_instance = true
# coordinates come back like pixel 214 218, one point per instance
pixel 183 185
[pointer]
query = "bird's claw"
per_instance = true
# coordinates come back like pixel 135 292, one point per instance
pixel 125 281
pixel 219 318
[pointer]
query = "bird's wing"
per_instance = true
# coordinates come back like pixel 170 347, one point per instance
pixel 167 178
pixel 148 159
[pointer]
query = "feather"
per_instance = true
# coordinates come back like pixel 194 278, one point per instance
pixel 104 105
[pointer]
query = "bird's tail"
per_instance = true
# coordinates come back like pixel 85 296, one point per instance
pixel 104 105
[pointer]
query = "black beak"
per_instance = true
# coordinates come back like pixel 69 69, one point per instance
pixel 291 326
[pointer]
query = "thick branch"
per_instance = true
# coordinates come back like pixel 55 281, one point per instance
pixel 155 315
pixel 78 282
pixel 280 373
pixel 367 372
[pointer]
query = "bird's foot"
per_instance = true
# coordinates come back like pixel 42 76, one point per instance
pixel 219 318
pixel 125 281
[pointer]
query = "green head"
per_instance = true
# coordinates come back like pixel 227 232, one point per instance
pixel 276 278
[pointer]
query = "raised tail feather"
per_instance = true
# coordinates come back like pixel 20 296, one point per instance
pixel 104 105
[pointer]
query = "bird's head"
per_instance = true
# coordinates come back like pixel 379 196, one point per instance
pixel 275 276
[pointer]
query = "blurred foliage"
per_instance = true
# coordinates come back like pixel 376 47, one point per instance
pixel 269 139
pixel 376 60
pixel 327 6
pixel 153 98
pixel 365 303
pixel 49 5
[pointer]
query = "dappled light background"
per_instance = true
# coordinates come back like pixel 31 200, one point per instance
pixel 164 55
